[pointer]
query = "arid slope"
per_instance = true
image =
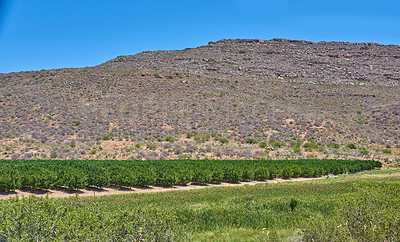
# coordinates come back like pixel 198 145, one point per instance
pixel 223 100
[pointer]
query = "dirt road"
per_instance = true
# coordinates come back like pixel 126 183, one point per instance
pixel 122 190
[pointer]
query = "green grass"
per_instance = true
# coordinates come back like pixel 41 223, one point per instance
pixel 236 213
pixel 247 213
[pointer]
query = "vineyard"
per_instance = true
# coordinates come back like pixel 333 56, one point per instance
pixel 77 174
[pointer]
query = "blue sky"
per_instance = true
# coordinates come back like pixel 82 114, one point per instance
pixel 48 34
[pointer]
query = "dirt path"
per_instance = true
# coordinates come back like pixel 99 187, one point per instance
pixel 118 190
pixel 121 190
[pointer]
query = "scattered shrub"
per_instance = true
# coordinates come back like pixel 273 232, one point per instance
pixel 108 136
pixel 333 146
pixel 293 204
pixel 152 146
pixel 296 150
pixel 352 146
pixel 250 141
pixel 223 140
pixel 170 138
pixel 363 151
pixel 276 144
pixel 262 144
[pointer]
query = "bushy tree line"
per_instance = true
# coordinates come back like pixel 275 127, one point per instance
pixel 76 174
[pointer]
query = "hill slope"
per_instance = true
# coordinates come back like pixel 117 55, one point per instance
pixel 220 101
pixel 322 62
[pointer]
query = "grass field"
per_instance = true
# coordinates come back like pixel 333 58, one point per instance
pixel 249 213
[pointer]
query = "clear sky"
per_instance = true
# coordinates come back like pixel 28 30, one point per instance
pixel 47 34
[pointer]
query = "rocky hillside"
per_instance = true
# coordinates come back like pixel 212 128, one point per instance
pixel 302 61
pixel 239 99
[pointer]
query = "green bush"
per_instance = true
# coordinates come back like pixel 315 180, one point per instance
pixel 152 146
pixel 202 138
pixel 190 134
pixel 250 141
pixel 262 144
pixel 309 146
pixel 296 150
pixel 333 146
pixel 295 144
pixel 170 138
pixel 276 144
pixel 363 151
pixel 108 136
pixel 352 146
pixel 223 140
pixel 293 204
pixel 387 151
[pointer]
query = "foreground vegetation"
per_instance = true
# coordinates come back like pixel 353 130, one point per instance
pixel 361 207
pixel 75 174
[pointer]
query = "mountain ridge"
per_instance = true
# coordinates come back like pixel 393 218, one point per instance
pixel 322 62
